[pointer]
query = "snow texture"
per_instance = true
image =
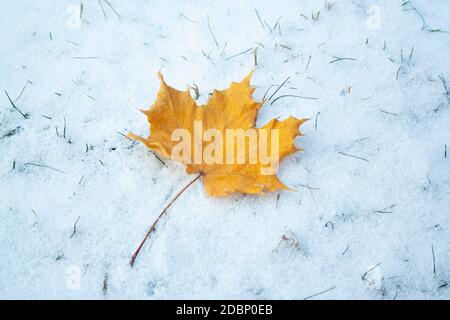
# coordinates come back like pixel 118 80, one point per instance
pixel 369 217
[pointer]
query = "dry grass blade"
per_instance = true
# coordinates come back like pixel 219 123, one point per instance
pixel 15 107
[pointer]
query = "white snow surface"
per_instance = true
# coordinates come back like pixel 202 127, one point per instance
pixel 373 227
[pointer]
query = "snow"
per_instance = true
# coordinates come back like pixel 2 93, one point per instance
pixel 373 227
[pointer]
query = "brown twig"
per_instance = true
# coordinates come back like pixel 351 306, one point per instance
pixel 133 258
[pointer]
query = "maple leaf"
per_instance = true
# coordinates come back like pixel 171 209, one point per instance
pixel 232 108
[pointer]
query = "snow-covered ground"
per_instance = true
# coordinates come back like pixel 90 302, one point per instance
pixel 370 217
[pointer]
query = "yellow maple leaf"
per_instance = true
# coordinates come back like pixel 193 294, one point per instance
pixel 227 110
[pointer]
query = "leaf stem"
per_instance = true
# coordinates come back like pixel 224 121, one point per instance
pixel 136 253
